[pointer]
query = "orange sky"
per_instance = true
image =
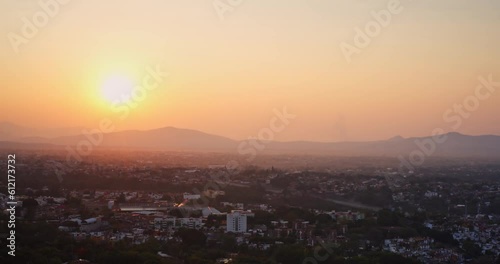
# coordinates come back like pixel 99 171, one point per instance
pixel 226 76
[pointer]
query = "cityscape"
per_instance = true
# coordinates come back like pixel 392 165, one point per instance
pixel 249 132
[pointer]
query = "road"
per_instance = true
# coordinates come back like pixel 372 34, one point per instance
pixel 351 204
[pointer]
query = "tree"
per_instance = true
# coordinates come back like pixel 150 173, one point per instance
pixel 290 254
pixel 191 237
pixel 229 243
pixel 121 198
pixel 30 202
pixel 471 248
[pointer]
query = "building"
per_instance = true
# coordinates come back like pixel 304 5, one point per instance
pixel 91 224
pixel 237 221
pixel 173 222
pixel 206 211
pixel 191 223
pixel 347 216
pixel 213 193
pixel 188 196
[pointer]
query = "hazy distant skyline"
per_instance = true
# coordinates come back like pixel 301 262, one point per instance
pixel 227 76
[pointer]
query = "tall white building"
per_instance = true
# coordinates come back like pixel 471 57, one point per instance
pixel 237 221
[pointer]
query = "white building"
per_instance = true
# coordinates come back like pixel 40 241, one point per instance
pixel 192 223
pixel 237 221
pixel 430 194
pixel 188 196
pixel 91 224
pixel 166 222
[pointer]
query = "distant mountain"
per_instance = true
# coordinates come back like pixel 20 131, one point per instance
pixel 13 146
pixel 456 145
pixel 13 132
pixel 10 131
pixel 167 138
pixel 170 138
pixel 397 138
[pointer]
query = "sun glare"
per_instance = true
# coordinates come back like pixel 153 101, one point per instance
pixel 117 88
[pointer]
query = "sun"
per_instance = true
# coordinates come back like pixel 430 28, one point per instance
pixel 117 88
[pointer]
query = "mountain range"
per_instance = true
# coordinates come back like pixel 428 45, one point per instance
pixel 176 139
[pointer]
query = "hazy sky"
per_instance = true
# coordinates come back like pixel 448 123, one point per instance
pixel 227 75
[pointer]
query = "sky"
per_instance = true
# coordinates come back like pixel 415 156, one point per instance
pixel 228 68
